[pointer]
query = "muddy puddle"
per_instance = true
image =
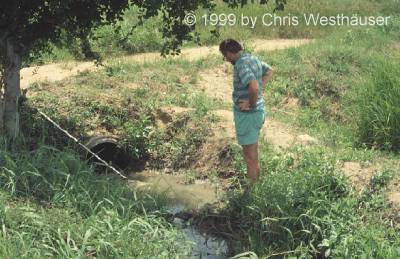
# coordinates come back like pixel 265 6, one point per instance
pixel 193 194
pixel 185 199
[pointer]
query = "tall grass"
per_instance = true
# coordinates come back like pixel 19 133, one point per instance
pixel 52 204
pixel 379 105
pixel 128 38
pixel 302 207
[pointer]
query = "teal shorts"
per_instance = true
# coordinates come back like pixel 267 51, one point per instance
pixel 248 126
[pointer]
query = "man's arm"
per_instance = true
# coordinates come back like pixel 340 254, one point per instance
pixel 253 93
pixel 246 105
pixel 253 87
pixel 267 76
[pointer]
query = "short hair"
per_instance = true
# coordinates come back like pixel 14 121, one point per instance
pixel 230 45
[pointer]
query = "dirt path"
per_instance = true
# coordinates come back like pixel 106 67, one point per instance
pixel 60 71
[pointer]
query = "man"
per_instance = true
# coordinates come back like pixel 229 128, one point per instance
pixel 250 76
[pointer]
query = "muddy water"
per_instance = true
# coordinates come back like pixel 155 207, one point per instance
pixel 192 196
pixel 185 198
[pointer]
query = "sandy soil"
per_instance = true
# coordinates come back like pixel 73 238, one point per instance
pixel 358 175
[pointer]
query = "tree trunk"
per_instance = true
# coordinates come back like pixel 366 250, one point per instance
pixel 1 112
pixel 12 90
pixel 1 93
pixel 2 84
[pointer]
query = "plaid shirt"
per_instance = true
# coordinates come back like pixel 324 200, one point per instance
pixel 247 68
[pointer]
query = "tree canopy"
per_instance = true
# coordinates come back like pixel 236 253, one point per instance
pixel 25 25
pixel 34 21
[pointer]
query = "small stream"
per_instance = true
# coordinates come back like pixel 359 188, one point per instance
pixel 185 198
pixel 205 246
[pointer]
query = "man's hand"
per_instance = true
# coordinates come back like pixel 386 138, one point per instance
pixel 247 105
pixel 244 105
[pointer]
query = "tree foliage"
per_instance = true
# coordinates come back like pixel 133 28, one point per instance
pixel 31 22
pixel 27 24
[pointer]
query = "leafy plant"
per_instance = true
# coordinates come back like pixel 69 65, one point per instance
pixel 137 135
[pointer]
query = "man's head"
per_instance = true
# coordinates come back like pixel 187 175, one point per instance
pixel 231 50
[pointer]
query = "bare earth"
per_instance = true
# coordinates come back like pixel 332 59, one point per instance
pixel 358 174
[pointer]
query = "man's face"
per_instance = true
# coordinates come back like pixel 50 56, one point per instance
pixel 230 57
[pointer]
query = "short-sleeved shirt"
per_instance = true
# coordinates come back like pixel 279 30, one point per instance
pixel 247 68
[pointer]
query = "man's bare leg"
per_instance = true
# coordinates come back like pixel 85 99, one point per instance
pixel 250 153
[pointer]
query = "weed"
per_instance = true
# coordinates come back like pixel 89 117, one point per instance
pixel 137 134
pixel 190 177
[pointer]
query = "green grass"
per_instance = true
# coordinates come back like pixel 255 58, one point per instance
pixel 107 40
pixel 303 207
pixel 53 204
pixel 107 100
